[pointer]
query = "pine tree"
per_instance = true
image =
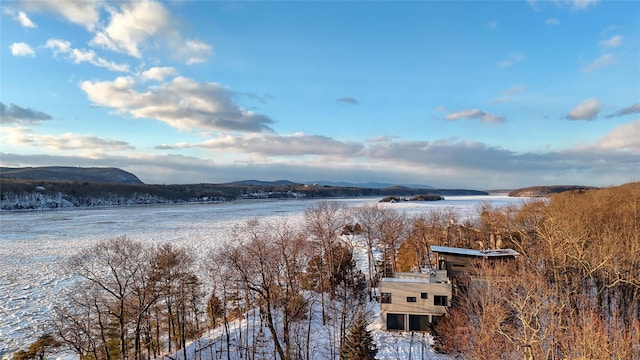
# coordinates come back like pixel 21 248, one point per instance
pixel 359 344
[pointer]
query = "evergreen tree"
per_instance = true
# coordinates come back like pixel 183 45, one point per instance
pixel 359 344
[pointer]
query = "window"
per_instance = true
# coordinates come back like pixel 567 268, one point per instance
pixel 424 296
pixel 395 321
pixel 385 298
pixel 411 299
pixel 440 300
pixel 418 322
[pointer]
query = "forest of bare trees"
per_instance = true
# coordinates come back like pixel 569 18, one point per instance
pixel 575 293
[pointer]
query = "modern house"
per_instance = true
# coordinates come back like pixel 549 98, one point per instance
pixel 411 301
pixel 458 261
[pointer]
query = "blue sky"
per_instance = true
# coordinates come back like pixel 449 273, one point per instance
pixel 472 94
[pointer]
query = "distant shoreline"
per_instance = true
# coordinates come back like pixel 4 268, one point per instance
pixel 211 202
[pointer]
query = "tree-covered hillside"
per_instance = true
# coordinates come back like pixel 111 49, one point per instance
pixel 42 194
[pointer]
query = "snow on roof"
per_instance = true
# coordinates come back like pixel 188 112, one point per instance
pixel 472 252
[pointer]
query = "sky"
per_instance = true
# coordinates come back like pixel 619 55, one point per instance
pixel 455 94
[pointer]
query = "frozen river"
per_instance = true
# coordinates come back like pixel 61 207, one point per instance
pixel 34 245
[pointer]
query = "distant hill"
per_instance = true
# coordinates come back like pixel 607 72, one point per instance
pixel 542 191
pixel 261 183
pixel 68 173
pixel 368 185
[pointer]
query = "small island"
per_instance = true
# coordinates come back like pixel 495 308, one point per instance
pixel 423 197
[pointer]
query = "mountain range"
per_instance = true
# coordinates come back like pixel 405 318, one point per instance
pixel 115 175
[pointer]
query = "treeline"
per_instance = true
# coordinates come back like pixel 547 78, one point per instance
pixel 543 191
pixel 18 194
pixel 575 293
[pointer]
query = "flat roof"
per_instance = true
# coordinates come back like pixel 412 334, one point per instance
pixel 473 252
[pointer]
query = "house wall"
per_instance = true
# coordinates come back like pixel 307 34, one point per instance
pixel 400 289
pixel 458 264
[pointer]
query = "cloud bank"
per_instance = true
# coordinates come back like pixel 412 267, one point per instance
pixel 181 103
pixel 481 115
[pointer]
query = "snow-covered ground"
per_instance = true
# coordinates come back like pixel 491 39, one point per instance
pixel 391 345
pixel 35 244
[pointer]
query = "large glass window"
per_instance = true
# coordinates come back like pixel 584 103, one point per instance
pixel 440 300
pixel 418 322
pixel 385 298
pixel 395 321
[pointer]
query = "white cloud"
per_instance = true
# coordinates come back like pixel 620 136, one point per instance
pixel 552 21
pixel 133 25
pixel 81 12
pixel 22 49
pixel 571 4
pixel 580 4
pixel 158 73
pixel 181 103
pixel 298 144
pixel 624 137
pixel 194 52
pixel 20 17
pixel 513 58
pixel 88 144
pixel 586 110
pixel 507 94
pixel 603 61
pixel 475 114
pixel 611 42
pixel 136 25
pixel 79 56
pixel 25 21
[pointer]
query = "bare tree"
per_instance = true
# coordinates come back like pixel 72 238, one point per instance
pixel 393 230
pixel 269 262
pixel 125 292
pixel 178 288
pixel 324 222
pixel 369 218
pixel 113 266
